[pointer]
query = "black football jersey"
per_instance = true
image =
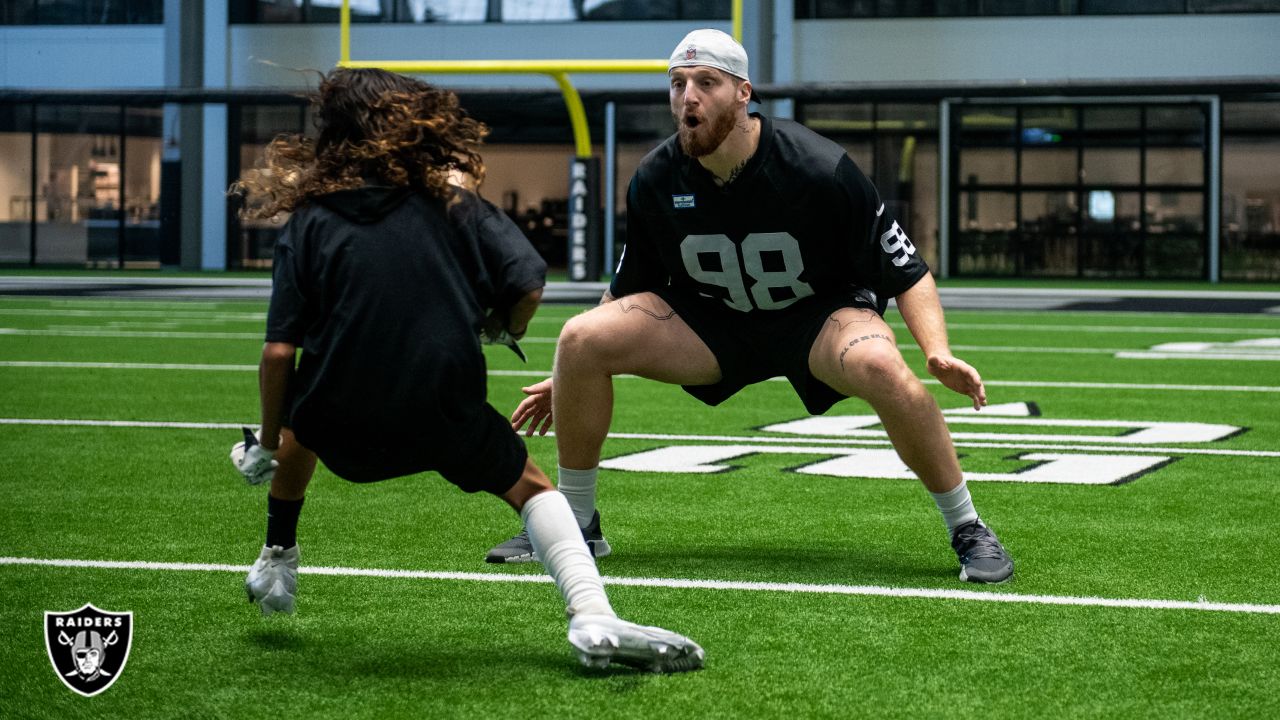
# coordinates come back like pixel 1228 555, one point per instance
pixel 385 291
pixel 801 219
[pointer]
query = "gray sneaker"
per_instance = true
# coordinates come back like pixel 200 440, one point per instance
pixel 982 557
pixel 519 549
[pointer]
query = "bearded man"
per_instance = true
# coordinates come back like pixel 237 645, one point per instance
pixel 757 249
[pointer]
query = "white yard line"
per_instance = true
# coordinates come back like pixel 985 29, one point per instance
pixel 1149 355
pixel 816 442
pixel 85 365
pixel 170 314
pixel 682 583
pixel 125 423
pixel 166 334
pixel 1052 384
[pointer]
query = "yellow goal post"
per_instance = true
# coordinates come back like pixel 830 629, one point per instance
pixel 558 70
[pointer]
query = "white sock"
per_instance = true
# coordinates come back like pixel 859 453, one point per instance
pixel 956 506
pixel 579 488
pixel 558 541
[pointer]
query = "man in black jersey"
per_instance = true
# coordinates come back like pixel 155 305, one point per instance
pixel 382 277
pixel 755 249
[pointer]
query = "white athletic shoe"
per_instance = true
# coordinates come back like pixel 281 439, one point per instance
pixel 273 580
pixel 601 639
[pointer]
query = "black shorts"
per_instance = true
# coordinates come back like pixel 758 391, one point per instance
pixel 477 453
pixel 753 347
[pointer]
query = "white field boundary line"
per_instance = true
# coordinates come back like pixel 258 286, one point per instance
pixel 683 584
pixel 88 365
pixel 1141 355
pixel 815 442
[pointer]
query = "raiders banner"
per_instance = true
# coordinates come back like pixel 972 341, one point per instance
pixel 88 647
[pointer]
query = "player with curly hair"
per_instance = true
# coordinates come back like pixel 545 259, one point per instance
pixel 383 276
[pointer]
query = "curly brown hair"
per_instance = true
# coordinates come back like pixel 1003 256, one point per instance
pixel 373 126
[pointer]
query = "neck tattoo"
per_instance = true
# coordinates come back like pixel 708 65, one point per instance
pixel 734 173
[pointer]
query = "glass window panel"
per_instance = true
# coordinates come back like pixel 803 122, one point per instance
pixel 141 183
pixel 1049 233
pixel 1112 117
pixel 1233 6
pixel 1112 241
pixel 843 8
pixel 449 10
pixel 907 117
pixel 1108 166
pixel 78 172
pixel 1022 7
pixel 1251 116
pixel 986 242
pixel 629 10
pixel 987 126
pixel 1108 212
pixel 863 155
pixel 1055 165
pixel 259 124
pixel 1175 213
pixel 835 118
pixel 919 190
pixel 1176 117
pixel 16 202
pixel 1174 257
pixel 60 12
pixel 1251 207
pixel 537 10
pixel 987 166
pixel 330 11
pixel 1175 166
pixel 1130 7
pixel 18 12
pixel 1050 121
pixel 279 11
pixel 144 11
pixel 988 211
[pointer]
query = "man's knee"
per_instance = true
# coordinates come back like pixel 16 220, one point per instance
pixel 581 338
pixel 879 369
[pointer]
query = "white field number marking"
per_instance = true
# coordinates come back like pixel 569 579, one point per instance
pixel 1252 349
pixel 851 462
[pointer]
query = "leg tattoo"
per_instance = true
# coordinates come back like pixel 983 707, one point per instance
pixel 858 316
pixel 628 308
pixel 858 340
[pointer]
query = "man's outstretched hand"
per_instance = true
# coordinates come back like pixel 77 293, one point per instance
pixel 958 375
pixel 534 409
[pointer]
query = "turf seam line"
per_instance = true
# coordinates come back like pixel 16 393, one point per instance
pixel 686 584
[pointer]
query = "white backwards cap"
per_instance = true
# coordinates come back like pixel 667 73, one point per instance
pixel 712 48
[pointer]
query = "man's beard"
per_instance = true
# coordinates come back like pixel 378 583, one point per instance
pixel 704 138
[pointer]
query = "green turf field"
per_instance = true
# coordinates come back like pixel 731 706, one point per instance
pixel 1133 480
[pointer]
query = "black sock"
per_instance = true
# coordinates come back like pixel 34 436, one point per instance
pixel 282 521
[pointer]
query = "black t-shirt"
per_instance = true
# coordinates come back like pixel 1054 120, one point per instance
pixel 385 291
pixel 800 220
